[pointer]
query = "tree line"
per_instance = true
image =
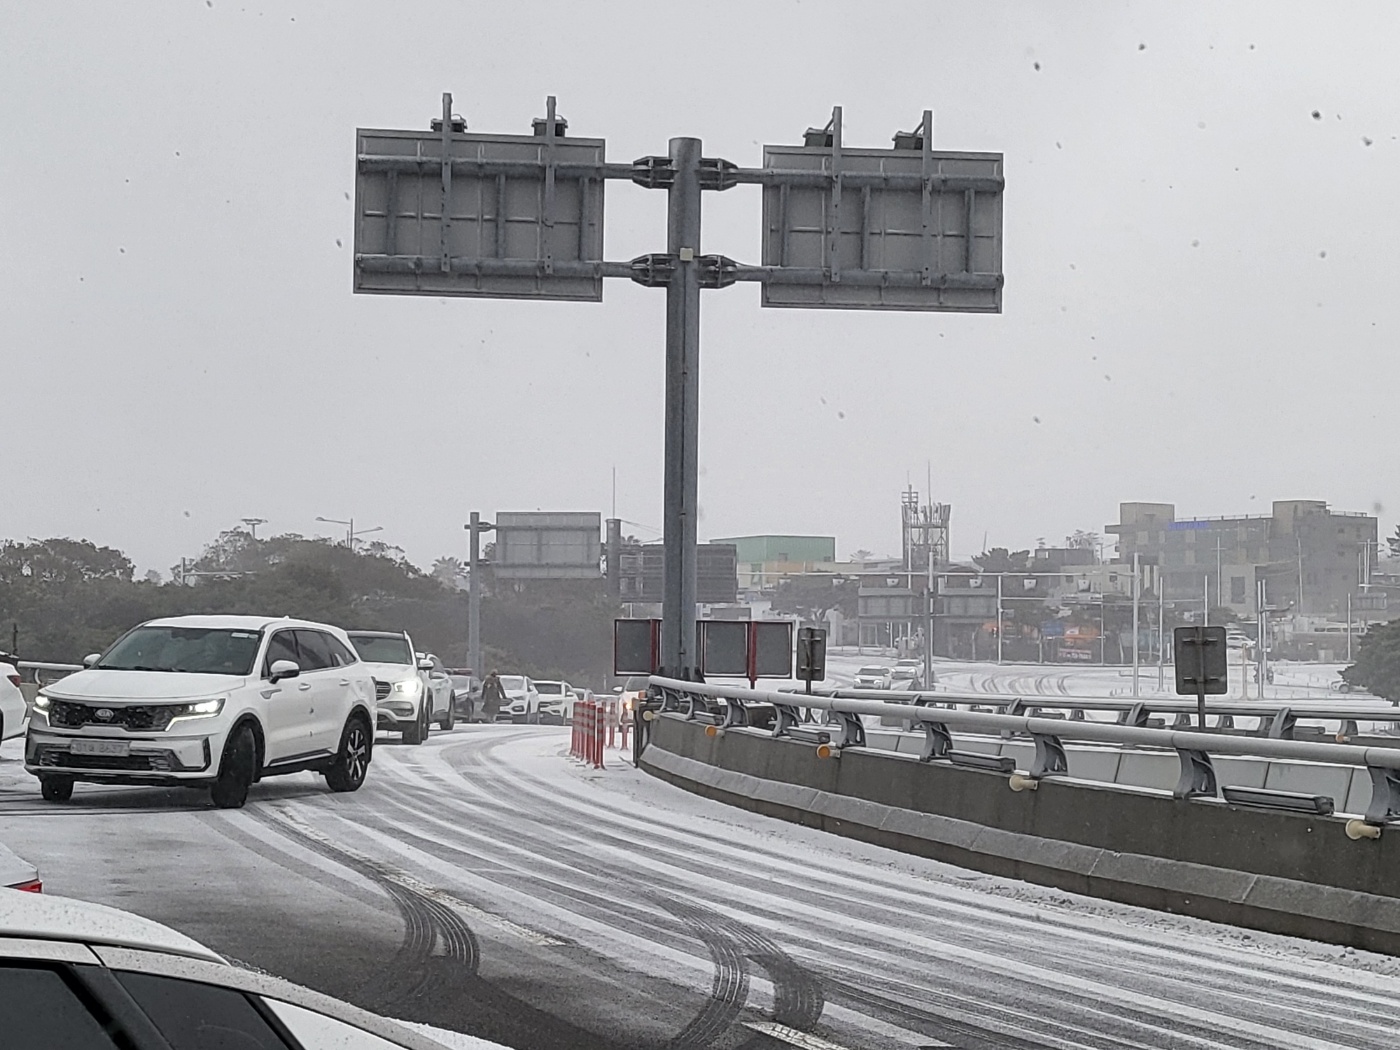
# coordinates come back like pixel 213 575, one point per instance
pixel 61 599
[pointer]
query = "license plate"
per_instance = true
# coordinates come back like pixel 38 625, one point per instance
pixel 117 748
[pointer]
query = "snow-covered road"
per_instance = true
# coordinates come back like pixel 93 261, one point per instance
pixel 487 883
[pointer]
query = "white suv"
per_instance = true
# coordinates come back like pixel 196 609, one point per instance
pixel 220 701
pixel 411 689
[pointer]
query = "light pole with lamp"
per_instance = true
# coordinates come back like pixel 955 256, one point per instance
pixel 351 533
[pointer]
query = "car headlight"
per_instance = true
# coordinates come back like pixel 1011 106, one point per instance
pixel 197 709
pixel 411 687
pixel 41 702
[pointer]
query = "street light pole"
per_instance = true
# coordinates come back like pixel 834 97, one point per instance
pixel 475 527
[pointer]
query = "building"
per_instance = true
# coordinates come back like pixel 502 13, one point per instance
pixel 1309 558
pixel 764 560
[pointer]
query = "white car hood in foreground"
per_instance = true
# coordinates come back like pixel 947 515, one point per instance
pixel 63 919
pixel 98 684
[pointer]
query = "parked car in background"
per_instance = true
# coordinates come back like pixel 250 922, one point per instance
pixel 212 701
pixel 13 709
pixel 405 701
pixel 18 874
pixel 522 702
pixel 68 961
pixel 874 677
pixel 466 692
pixel 908 675
pixel 439 684
pixel 556 701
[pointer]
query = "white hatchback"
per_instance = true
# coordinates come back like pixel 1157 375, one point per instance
pixel 216 701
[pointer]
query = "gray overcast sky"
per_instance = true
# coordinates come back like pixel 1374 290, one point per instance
pixel 1199 300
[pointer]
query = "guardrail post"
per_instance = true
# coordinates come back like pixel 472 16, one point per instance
pixel 1135 716
pixel 938 742
pixel 1050 757
pixel 1280 727
pixel 852 731
pixel 787 717
pixel 1384 806
pixel 1197 775
pixel 735 714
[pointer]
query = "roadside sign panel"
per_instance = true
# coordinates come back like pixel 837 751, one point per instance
pixel 507 217
pixel 853 239
pixel 636 647
pixel 811 654
pixel 724 648
pixel 772 649
pixel 1201 660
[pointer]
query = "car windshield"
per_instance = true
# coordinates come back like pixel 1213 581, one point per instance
pixel 382 649
pixel 462 681
pixel 513 682
pixel 188 650
pixel 872 672
pixel 636 684
pixel 549 688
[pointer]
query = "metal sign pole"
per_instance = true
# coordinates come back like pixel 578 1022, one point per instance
pixel 678 654
pixel 1201 678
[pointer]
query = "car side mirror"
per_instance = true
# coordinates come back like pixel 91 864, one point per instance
pixel 91 658
pixel 617 689
pixel 283 669
pixel 425 665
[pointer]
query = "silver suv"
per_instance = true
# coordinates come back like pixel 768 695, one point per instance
pixel 214 701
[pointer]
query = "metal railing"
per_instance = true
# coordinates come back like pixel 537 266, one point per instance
pixel 1277 718
pixel 1194 749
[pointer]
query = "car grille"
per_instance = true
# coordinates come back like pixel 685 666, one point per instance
pixel 135 763
pixel 69 715
pixel 381 689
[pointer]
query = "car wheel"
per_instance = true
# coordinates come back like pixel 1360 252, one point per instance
pixel 449 717
pixel 236 771
pixel 56 788
pixel 418 731
pixel 351 763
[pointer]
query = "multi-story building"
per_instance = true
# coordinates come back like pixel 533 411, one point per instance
pixel 1310 557
pixel 764 560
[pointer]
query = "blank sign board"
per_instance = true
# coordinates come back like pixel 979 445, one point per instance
pixel 893 229
pixel 508 216
pixel 725 648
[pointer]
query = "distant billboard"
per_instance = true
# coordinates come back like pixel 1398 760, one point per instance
pixel 548 546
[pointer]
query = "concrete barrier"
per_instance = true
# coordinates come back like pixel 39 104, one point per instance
pixel 1288 873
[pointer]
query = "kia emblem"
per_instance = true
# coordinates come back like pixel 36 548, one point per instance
pixel 104 713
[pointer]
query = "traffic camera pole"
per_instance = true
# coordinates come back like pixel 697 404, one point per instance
pixel 678 654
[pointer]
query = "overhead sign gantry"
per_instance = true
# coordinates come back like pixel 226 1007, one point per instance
pixel 452 212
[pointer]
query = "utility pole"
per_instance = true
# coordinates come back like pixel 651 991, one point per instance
pixel 1348 627
pixel 999 616
pixel 475 527
pixel 1137 591
pixel 1161 631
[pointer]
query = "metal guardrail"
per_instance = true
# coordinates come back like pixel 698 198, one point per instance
pixel 1277 719
pixel 1194 749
